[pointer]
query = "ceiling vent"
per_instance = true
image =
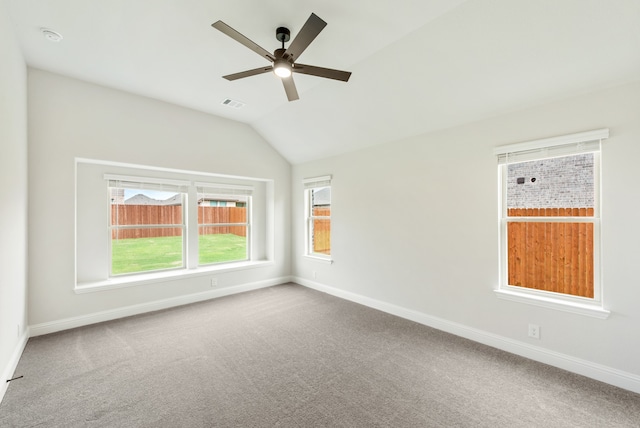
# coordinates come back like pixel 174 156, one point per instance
pixel 233 103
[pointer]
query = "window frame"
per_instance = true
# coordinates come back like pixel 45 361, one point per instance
pixel 146 183
pixel 190 225
pixel 231 191
pixel 91 211
pixel 562 146
pixel 309 185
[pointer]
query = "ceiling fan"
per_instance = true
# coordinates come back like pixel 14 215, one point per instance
pixel 285 60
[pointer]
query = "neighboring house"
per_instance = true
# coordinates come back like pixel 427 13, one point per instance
pixel 322 197
pixel 141 199
pixel 117 197
pixel 220 202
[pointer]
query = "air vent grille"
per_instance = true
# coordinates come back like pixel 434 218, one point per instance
pixel 233 103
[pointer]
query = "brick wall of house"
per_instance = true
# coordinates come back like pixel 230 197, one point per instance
pixel 564 182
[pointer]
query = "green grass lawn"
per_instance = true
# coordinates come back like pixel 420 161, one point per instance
pixel 146 254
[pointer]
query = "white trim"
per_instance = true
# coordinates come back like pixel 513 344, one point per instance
pixel 111 314
pixel 558 304
pixel 318 258
pixel 566 145
pixel 171 170
pixel 619 378
pixel 133 280
pixel 597 134
pixel 10 368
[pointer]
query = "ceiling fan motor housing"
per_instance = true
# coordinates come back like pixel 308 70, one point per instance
pixel 283 35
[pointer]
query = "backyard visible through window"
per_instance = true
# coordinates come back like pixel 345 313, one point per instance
pixel 147 230
pixel 223 227
pixel 550 218
pixel 319 220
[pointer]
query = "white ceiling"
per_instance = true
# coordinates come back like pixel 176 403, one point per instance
pixel 418 65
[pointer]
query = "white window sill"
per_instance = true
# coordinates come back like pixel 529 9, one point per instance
pixel 169 275
pixel 591 310
pixel 320 259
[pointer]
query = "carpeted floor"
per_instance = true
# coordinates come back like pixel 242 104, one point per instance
pixel 288 356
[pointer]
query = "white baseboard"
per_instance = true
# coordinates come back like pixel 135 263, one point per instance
pixel 586 368
pixel 80 321
pixel 10 368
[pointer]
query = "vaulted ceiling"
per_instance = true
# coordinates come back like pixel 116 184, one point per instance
pixel 418 65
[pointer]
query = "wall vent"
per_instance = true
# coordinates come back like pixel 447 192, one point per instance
pixel 233 103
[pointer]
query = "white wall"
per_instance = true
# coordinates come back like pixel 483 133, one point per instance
pixel 71 119
pixel 13 198
pixel 415 226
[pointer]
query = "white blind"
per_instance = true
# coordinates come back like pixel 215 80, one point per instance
pixel 148 183
pixel 310 183
pixel 224 189
pixel 584 142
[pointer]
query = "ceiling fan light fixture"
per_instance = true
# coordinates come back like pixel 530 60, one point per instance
pixel 282 68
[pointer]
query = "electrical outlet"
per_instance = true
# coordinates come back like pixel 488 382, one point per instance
pixel 534 331
pixel 315 275
pixel 214 282
pixel 18 330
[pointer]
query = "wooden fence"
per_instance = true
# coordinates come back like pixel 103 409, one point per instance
pixel 551 256
pixel 322 232
pixel 172 214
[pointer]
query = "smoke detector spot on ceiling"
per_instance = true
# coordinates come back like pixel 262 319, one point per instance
pixel 51 35
pixel 233 103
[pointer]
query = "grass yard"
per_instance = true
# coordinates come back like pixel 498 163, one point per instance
pixel 221 248
pixel 146 254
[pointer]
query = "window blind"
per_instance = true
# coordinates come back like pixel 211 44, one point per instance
pixel 311 183
pixel 584 142
pixel 148 183
pixel 224 189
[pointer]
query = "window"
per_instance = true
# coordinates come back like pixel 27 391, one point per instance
pixel 223 223
pixel 150 231
pixel 318 216
pixel 140 224
pixel 146 224
pixel 550 221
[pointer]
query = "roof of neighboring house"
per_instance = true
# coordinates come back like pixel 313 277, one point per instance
pixel 141 199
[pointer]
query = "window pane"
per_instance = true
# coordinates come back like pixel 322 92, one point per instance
pixel 320 228
pixel 142 249
pixel 558 183
pixel 223 228
pixel 145 249
pixel 555 257
pixel 321 236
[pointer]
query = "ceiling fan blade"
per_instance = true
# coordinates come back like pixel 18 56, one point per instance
pixel 248 73
pixel 290 88
pixel 221 26
pixel 328 73
pixel 308 32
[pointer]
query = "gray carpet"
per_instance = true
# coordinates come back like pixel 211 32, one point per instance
pixel 288 356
